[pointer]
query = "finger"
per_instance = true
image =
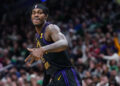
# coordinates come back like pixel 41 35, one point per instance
pixel 33 58
pixel 30 49
pixel 28 57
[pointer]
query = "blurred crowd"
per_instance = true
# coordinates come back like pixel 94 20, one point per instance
pixel 90 26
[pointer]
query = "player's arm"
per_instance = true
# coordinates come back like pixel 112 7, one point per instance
pixel 60 42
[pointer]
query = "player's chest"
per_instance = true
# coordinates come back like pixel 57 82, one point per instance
pixel 40 39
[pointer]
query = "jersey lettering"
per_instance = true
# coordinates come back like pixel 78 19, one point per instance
pixel 41 35
pixel 46 63
pixel 38 44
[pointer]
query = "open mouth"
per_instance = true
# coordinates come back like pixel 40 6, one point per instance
pixel 36 20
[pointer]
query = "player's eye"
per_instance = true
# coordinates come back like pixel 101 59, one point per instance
pixel 33 12
pixel 39 12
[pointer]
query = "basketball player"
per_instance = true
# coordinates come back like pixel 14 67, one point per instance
pixel 51 46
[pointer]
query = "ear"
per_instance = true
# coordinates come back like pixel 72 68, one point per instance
pixel 46 16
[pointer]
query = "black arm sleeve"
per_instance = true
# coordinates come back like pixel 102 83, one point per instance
pixel 46 79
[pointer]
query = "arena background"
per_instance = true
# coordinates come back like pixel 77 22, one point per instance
pixel 92 28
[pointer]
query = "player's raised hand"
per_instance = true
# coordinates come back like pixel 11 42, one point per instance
pixel 31 58
pixel 36 54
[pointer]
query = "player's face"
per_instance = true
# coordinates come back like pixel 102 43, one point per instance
pixel 38 17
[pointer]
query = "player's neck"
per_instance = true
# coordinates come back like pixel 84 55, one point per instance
pixel 39 28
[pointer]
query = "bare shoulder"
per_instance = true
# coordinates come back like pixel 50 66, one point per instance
pixel 53 28
pixel 55 33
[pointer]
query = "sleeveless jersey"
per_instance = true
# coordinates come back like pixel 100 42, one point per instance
pixel 53 61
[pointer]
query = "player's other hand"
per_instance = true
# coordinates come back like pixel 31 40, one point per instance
pixel 36 54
